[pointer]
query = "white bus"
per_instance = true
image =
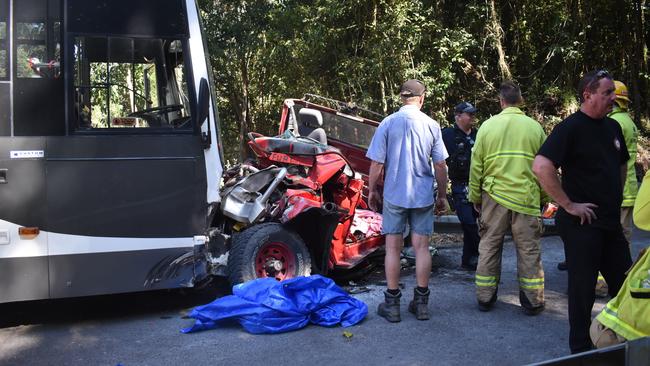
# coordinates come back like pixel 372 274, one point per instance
pixel 109 152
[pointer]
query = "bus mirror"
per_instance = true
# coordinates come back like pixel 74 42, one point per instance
pixel 203 110
pixel 204 102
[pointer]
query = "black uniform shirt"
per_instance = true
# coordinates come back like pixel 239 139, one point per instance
pixel 453 137
pixel 590 153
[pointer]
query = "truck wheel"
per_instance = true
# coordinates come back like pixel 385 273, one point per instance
pixel 267 250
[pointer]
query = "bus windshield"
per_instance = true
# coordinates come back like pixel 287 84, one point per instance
pixel 108 66
pixel 130 82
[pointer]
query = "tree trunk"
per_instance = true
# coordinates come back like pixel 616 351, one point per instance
pixel 382 84
pixel 129 84
pixel 244 115
pixel 496 31
pixel 639 64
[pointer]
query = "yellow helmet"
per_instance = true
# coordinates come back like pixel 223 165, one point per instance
pixel 621 94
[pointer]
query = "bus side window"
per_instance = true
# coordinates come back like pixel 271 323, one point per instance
pixel 5 102
pixel 35 57
pixel 39 106
pixel 4 50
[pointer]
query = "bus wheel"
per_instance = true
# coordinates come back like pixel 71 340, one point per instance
pixel 267 251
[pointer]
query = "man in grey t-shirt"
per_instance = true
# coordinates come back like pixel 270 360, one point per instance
pixel 404 147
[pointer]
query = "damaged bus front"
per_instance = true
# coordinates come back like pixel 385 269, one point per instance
pixel 109 154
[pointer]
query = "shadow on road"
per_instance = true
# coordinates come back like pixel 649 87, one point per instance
pixel 109 306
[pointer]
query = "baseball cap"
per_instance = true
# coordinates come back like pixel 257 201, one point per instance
pixel 412 88
pixel 465 107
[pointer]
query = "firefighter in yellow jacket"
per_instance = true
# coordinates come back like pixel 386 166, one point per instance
pixel 625 317
pixel 507 195
pixel 630 133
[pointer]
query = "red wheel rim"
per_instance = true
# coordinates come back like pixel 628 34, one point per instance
pixel 275 260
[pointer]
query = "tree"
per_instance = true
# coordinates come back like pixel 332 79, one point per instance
pixel 362 50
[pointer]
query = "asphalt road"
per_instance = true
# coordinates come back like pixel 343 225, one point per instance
pixel 143 329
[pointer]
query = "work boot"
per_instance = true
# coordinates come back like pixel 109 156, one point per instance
pixel 420 304
pixel 470 265
pixel 389 309
pixel 487 306
pixel 602 290
pixel 529 308
pixel 532 311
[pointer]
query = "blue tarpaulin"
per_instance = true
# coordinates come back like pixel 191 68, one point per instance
pixel 268 306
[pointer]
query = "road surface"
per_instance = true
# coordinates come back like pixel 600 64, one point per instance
pixel 143 329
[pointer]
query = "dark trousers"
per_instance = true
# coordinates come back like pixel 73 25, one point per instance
pixel 588 250
pixel 467 217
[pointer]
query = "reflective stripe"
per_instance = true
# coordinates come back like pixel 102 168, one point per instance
pixel 531 283
pixel 625 314
pixel 611 310
pixel 628 200
pixel 479 277
pixel 486 281
pixel 514 153
pixel 600 277
pixel 502 197
pixel 480 284
pixel 609 318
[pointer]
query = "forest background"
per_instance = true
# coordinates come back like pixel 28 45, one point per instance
pixel 265 51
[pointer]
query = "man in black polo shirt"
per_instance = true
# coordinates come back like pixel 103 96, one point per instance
pixel 590 149
pixel 459 141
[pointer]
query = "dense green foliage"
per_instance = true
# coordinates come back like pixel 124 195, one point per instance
pixel 267 50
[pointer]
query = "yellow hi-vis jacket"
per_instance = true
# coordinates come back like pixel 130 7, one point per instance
pixel 630 134
pixel 628 314
pixel 502 160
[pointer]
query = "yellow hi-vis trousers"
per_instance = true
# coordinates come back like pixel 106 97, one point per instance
pixel 526 232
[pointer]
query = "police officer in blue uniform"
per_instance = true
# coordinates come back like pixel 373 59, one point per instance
pixel 459 141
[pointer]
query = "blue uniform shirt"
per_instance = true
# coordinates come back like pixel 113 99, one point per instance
pixel 459 146
pixel 407 142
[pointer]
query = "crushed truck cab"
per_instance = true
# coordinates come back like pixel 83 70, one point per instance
pixel 299 208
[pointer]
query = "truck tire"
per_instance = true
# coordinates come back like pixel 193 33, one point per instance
pixel 267 250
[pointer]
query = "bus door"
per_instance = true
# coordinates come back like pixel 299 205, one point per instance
pixel 126 191
pixel 31 108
